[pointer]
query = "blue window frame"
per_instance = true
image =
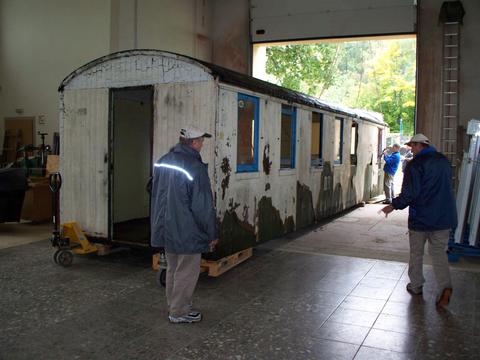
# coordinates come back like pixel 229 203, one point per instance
pixel 288 137
pixel 338 141
pixel 247 133
pixel 316 149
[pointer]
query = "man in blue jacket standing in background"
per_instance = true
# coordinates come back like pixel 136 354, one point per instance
pixel 390 168
pixel 427 190
pixel 183 220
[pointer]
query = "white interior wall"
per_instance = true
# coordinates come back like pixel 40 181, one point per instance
pixel 230 34
pixel 123 30
pixel 40 43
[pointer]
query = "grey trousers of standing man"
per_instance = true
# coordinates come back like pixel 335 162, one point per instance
pixel 182 277
pixel 437 246
pixel 388 186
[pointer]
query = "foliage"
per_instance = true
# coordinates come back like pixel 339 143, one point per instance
pixel 306 68
pixel 374 75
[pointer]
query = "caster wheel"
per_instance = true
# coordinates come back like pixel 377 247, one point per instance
pixel 161 277
pixel 55 256
pixel 65 258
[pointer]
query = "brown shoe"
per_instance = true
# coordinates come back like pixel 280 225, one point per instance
pixel 444 298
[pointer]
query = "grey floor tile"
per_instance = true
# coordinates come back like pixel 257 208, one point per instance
pixel 354 317
pixel 404 324
pixel 390 340
pixel 368 353
pixel 277 305
pixel 372 292
pixel 342 332
pixel 363 304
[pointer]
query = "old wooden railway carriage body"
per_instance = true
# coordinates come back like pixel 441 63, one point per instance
pixel 279 160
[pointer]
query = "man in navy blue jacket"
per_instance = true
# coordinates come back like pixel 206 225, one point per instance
pixel 390 168
pixel 427 190
pixel 183 220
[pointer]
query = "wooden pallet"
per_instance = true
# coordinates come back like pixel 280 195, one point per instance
pixel 214 268
pixel 218 267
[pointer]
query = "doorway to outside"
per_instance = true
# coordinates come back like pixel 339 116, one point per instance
pixel 375 73
pixel 130 164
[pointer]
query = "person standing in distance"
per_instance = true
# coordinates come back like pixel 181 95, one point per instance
pixel 427 190
pixel 183 220
pixel 390 168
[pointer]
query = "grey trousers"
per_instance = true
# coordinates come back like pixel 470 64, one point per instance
pixel 437 245
pixel 388 186
pixel 182 277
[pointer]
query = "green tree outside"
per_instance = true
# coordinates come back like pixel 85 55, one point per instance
pixel 374 75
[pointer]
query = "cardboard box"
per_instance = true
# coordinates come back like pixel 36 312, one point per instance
pixel 37 206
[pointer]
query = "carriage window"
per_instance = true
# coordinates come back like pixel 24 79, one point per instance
pixel 380 145
pixel 338 140
pixel 287 137
pixel 354 144
pixel 316 154
pixel 247 133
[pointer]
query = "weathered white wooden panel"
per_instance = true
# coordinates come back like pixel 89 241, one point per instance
pixel 83 163
pixel 141 69
pixel 309 19
pixel 178 105
pixel 343 183
pixel 242 192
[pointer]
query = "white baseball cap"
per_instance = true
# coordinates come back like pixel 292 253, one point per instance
pixel 418 138
pixel 191 132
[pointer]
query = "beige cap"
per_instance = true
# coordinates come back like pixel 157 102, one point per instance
pixel 418 138
pixel 191 132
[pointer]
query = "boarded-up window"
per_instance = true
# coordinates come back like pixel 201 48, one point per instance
pixel 338 141
pixel 316 149
pixel 353 144
pixel 287 137
pixel 247 133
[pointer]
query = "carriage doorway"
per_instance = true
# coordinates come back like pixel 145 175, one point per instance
pixel 131 124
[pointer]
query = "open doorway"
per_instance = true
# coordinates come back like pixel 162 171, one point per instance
pixel 374 73
pixel 130 159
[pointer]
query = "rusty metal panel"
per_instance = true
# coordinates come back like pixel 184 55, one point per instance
pixel 83 159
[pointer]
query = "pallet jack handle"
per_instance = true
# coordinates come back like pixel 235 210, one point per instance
pixel 55 185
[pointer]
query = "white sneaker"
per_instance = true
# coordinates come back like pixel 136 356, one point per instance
pixel 191 317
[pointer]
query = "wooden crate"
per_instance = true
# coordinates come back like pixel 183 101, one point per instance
pixel 37 206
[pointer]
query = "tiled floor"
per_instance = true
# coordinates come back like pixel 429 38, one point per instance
pixel 277 305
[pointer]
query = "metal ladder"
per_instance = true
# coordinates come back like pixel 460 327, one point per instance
pixel 450 96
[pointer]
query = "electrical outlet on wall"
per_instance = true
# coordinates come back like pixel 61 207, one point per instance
pixel 42 120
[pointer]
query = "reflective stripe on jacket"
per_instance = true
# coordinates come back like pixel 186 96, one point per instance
pixel 427 190
pixel 183 219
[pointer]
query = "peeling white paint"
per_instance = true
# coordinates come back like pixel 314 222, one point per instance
pixel 186 93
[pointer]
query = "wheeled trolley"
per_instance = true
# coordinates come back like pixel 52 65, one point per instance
pixel 70 238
